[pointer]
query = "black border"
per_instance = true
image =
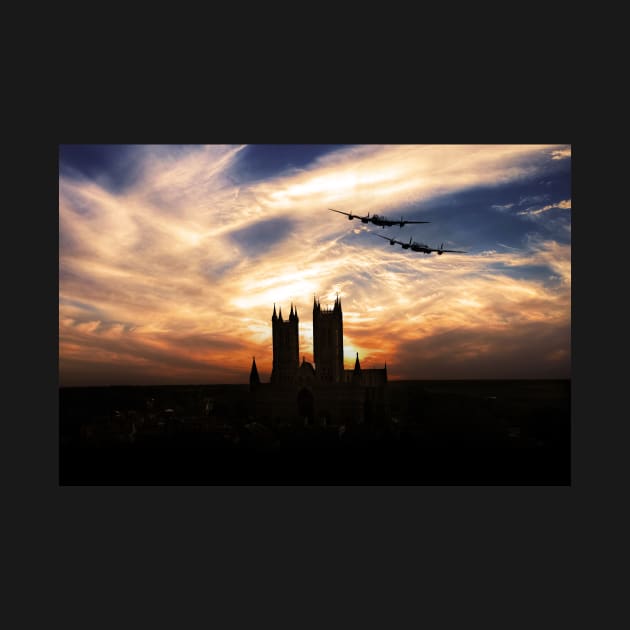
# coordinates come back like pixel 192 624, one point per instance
pixel 258 551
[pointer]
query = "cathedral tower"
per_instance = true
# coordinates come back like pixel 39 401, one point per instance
pixel 285 346
pixel 328 342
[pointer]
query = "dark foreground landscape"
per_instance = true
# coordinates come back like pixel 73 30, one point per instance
pixel 437 433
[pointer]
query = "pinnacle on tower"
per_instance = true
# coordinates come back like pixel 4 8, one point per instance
pixel 357 365
pixel 274 316
pixel 280 314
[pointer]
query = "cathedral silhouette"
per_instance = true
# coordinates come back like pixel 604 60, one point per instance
pixel 323 394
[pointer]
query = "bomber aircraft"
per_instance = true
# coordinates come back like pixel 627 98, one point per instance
pixel 420 247
pixel 377 219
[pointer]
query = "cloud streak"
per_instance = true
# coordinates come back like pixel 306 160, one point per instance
pixel 561 205
pixel 561 154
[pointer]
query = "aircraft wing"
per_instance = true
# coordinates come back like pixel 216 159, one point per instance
pixel 348 214
pixel 405 221
pixel 387 238
pixel 450 251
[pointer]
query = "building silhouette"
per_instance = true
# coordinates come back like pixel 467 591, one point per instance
pixel 326 393
pixel 328 342
pixel 286 354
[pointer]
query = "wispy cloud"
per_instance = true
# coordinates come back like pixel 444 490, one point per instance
pixel 561 154
pixel 561 205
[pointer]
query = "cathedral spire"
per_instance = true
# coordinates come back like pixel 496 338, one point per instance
pixel 274 316
pixel 280 314
pixel 357 365
pixel 254 379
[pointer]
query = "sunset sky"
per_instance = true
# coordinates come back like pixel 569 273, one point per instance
pixel 171 259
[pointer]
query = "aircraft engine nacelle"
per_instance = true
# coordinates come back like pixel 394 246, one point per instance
pixel 350 217
pixel 392 242
pixel 364 220
pixel 440 253
pixel 406 246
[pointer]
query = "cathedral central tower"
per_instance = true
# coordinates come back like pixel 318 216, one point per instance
pixel 328 342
